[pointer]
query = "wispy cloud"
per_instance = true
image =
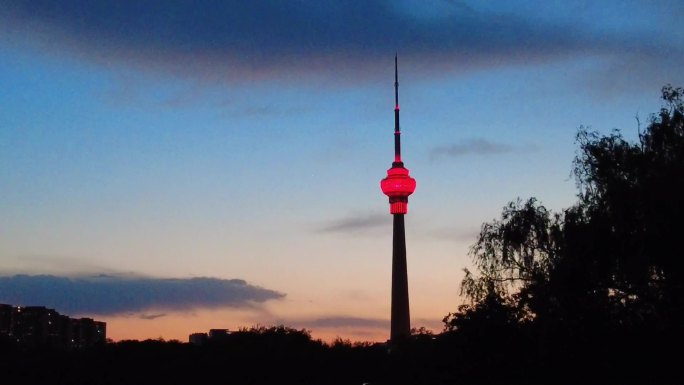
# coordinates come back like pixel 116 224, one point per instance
pixel 151 316
pixel 360 323
pixel 477 147
pixel 110 294
pixel 345 322
pixel 354 224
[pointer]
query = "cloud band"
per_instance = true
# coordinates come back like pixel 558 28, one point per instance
pixel 106 294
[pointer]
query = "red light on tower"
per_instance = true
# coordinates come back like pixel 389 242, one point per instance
pixel 398 186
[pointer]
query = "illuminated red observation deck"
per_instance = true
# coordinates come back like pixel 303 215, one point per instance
pixel 398 186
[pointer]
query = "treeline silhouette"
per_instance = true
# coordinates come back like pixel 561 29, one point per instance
pixel 593 294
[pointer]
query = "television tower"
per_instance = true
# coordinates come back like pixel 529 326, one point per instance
pixel 398 186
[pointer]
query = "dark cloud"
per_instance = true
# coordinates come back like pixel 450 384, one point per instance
pixel 107 294
pixel 151 316
pixel 355 224
pixel 477 146
pixel 239 39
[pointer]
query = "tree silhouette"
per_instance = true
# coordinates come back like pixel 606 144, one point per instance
pixel 605 270
pixel 617 249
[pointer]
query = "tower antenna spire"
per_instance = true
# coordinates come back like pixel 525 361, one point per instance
pixel 396 81
pixel 397 130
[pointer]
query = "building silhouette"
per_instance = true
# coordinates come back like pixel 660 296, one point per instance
pixel 198 339
pixel 398 185
pixel 214 335
pixel 38 326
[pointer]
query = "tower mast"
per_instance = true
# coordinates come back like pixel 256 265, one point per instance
pixel 398 185
pixel 397 129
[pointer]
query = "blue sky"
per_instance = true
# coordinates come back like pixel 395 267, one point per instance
pixel 245 140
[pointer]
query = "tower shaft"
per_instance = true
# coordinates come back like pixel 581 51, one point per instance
pixel 401 324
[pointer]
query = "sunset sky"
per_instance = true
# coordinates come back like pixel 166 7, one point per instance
pixel 174 166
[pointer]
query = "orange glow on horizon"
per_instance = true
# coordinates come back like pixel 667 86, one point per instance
pixel 179 325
